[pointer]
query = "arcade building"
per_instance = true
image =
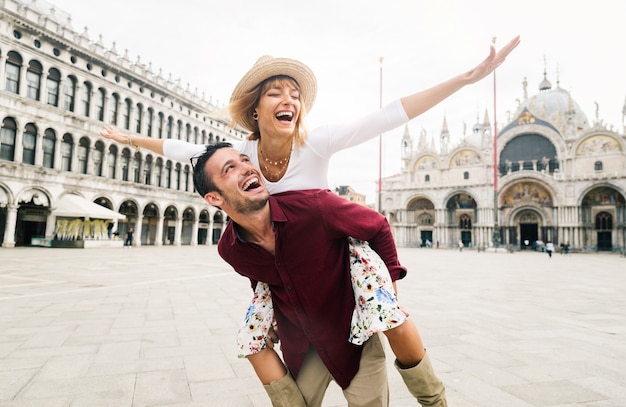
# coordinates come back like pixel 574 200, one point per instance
pixel 60 181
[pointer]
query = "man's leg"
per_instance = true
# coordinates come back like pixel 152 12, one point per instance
pixel 370 387
pixel 313 379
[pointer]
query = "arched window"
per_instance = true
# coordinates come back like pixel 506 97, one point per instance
pixel 125 163
pixel 597 166
pixel 7 139
pixel 48 144
pixel 158 172
pixel 168 175
pixel 427 178
pixel 52 86
pixel 170 121
pixel 66 152
pixel 69 93
pixel 29 139
pixel 466 175
pixel 98 154
pixel 136 167
pixel 85 99
pixel 179 130
pixel 111 162
pixel 147 170
pixel 160 125
pixel 82 154
pixel 149 122
pixel 188 131
pixel 187 177
pixel 12 68
pixel 465 222
pixel 138 117
pixel 604 221
pixel 33 80
pixel 177 176
pixel 99 103
pixel 113 108
pixel 126 114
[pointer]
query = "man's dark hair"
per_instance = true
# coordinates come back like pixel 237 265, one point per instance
pixel 201 181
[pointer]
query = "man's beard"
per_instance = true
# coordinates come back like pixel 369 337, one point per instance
pixel 244 205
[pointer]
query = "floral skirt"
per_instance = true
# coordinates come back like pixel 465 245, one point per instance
pixel 376 307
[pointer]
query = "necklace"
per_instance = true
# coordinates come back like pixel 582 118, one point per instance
pixel 281 164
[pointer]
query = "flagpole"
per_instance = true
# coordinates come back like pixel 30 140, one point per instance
pixel 380 140
pixel 496 231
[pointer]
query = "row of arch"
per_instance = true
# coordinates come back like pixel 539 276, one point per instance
pixel 527 211
pixel 86 98
pixel 29 215
pixel 525 152
pixel 83 156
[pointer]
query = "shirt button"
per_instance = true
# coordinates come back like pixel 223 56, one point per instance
pixel 279 264
pixel 289 288
pixel 299 310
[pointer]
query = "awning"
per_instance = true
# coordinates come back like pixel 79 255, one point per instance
pixel 74 206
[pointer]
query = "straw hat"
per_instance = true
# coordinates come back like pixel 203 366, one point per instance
pixel 268 66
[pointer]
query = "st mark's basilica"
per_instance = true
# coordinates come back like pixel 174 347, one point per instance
pixel 560 178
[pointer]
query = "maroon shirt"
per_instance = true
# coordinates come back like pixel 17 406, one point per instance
pixel 309 276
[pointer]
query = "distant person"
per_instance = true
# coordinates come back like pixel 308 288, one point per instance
pixel 549 248
pixel 128 242
pixel 460 245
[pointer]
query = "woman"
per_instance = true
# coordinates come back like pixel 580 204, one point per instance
pixel 271 101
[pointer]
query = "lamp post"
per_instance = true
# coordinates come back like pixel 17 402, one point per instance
pixel 496 231
pixel 380 141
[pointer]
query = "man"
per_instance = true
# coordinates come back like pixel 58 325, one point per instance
pixel 296 242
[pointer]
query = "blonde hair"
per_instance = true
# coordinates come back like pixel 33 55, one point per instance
pixel 242 108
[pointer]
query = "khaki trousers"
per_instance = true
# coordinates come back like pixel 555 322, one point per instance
pixel 369 388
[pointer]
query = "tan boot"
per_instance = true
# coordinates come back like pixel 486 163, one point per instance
pixel 285 392
pixel 423 384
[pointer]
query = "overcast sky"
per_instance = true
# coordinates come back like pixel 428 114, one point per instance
pixel 210 44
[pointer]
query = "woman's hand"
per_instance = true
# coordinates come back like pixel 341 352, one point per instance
pixel 492 61
pixel 114 134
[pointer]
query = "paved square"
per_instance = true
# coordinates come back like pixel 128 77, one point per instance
pixel 155 326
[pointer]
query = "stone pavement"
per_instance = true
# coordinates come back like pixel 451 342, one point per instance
pixel 155 326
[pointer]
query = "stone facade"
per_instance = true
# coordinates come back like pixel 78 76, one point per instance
pixel 58 89
pixel 559 178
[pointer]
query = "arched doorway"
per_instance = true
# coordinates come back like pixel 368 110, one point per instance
pixel 604 230
pixel 32 216
pixel 529 223
pixel 420 217
pixel 460 216
pixel 603 210
pixel 169 225
pixel 203 226
pixel 128 208
pixel 218 220
pixel 149 225
pixel 189 218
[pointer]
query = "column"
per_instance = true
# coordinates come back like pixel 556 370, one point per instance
pixel 194 233
pixel 158 239
pixel 138 227
pixel 178 232
pixel 9 229
pixel 19 148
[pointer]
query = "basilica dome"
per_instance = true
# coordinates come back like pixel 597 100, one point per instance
pixel 555 105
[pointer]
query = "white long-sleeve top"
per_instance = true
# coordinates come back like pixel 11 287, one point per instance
pixel 308 166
